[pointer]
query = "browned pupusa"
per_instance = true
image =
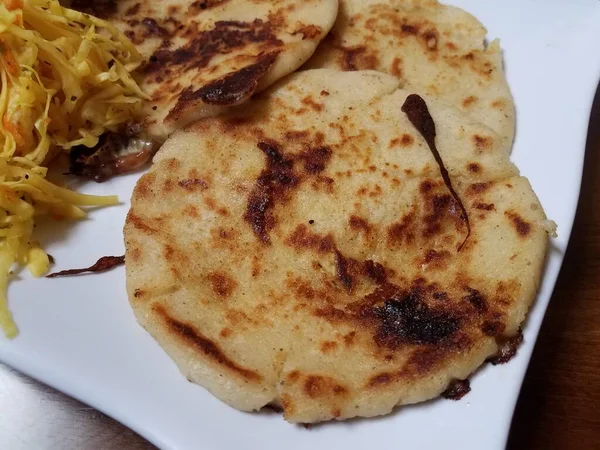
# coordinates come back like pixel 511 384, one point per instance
pixel 432 48
pixel 206 55
pixel 303 250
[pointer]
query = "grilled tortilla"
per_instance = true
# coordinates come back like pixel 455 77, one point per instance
pixel 204 56
pixel 432 48
pixel 306 251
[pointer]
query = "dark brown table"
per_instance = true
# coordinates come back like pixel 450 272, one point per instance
pixel 559 406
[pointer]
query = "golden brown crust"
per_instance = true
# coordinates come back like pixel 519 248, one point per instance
pixel 193 338
pixel 344 301
pixel 431 47
pixel 204 56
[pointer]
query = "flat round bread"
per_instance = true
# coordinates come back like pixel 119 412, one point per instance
pixel 206 55
pixel 306 251
pixel 433 48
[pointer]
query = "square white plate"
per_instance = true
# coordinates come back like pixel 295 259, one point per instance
pixel 79 334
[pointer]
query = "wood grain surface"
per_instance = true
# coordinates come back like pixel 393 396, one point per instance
pixel 559 406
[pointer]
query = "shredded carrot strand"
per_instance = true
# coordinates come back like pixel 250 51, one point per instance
pixel 14 130
pixel 11 5
pixel 11 63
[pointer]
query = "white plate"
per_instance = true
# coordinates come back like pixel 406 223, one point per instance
pixel 79 334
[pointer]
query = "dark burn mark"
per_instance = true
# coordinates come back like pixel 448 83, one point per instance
pixel 350 55
pixel 198 52
pixel 153 29
pixel 133 10
pixel 332 314
pixel 433 255
pixel 308 101
pixel 227 91
pixel 485 206
pixel 405 318
pixel 439 206
pixel 440 296
pixel 396 67
pixel 476 298
pixel 296 135
pixel 492 328
pixel 375 271
pixel 381 379
pixel 478 188
pixel 193 337
pixel 457 390
pixel 522 227
pixel 190 184
pixel 508 349
pixel 437 259
pixel 237 86
pixel 206 4
pixel 356 58
pixel 341 269
pixel 103 264
pixel 221 284
pixel 406 140
pixel 431 38
pixel 399 233
pixel 409 29
pixel 482 142
pixel 417 112
pixel 302 237
pixel 359 224
pixel 276 180
pixel 424 359
pixel 320 386
pixel 223 38
pixel 348 269
pixel 272 184
pixel 315 159
pixel 350 338
pixel 137 221
pixel 102 9
pixel 426 186
pixel 328 346
pixel 292 377
pixel 474 168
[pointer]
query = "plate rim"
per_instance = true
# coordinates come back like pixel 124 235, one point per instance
pixel 25 364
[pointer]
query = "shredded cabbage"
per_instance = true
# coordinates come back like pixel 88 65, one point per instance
pixel 65 79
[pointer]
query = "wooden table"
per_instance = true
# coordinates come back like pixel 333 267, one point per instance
pixel 559 407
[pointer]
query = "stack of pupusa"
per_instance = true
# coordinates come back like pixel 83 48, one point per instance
pixel 330 248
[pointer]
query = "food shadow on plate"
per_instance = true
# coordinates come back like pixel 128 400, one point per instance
pixel 49 231
pixel 355 421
